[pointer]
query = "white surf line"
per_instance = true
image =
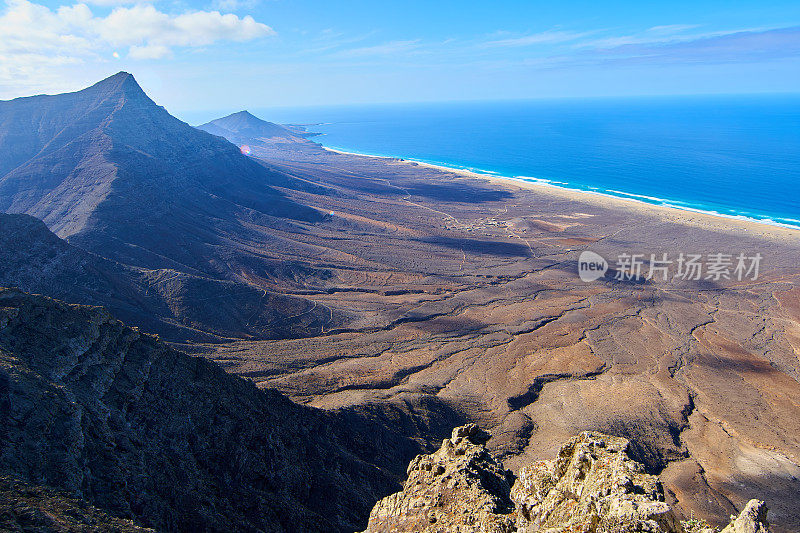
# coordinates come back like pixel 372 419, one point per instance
pixel 631 197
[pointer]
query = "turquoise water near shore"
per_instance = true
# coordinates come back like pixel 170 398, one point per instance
pixel 734 156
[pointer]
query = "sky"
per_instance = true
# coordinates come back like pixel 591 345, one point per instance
pixel 197 57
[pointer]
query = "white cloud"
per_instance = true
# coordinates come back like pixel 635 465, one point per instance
pixel 671 29
pixel 145 26
pixel 710 48
pixel 674 33
pixel 329 39
pixel 35 37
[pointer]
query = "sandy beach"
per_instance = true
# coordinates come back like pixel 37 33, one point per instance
pixel 710 221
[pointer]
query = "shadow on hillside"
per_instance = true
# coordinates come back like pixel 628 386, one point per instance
pixel 457 193
pixel 477 246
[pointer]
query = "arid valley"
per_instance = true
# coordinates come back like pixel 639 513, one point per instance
pixel 466 303
pixel 402 299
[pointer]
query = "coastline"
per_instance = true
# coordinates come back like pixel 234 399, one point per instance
pixel 667 212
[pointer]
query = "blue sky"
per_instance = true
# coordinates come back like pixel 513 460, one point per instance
pixel 203 56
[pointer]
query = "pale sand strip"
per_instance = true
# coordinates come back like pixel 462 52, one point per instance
pixel 710 221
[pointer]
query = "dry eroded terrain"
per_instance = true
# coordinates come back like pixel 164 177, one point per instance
pixel 453 294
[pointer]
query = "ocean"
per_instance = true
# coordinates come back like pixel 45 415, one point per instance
pixel 733 155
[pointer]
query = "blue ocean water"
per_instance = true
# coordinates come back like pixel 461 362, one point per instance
pixel 736 156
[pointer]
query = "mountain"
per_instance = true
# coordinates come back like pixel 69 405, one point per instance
pixel 168 226
pixel 446 297
pixel 111 171
pixel 267 141
pixel 142 432
pixel 241 127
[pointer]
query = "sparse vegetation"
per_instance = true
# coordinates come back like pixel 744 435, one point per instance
pixel 698 525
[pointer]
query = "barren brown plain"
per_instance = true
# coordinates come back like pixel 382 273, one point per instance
pixel 454 295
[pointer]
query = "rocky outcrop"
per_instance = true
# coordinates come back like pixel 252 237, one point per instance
pixel 121 421
pixel 593 483
pixel 592 486
pixel 461 487
pixel 753 519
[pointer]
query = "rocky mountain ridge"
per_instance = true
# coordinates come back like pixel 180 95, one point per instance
pixel 142 432
pixel 103 164
pixel 164 223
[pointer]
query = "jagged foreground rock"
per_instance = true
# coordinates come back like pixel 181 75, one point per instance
pixel 753 519
pixel 122 422
pixel 593 485
pixel 459 486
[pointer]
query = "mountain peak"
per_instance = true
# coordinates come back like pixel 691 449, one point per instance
pixel 242 118
pixel 242 126
pixel 60 155
pixel 121 82
pixel 244 114
pixel 119 75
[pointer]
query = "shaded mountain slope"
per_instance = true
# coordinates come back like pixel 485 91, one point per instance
pixel 144 432
pixel 174 304
pixel 36 260
pixel 113 172
pixel 26 508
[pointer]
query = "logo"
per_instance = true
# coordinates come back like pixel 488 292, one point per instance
pixel 591 266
